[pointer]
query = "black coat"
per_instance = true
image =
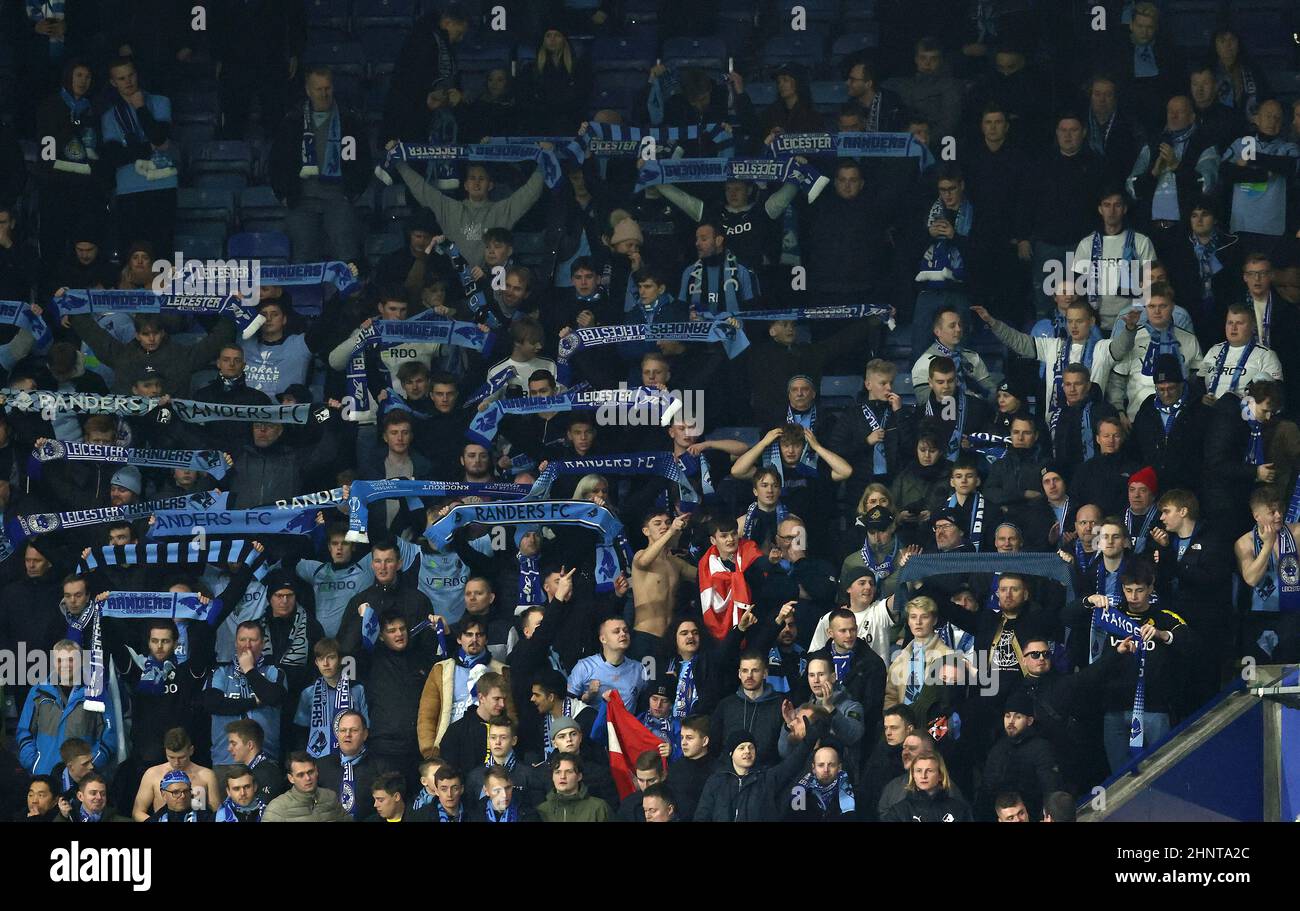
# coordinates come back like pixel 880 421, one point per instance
pixel 1025 764
pixel 365 771
pixel 1228 480
pixel 687 778
pixel 1068 445
pixel 728 797
pixel 1184 269
pixel 760 717
pixel 394 682
pixel 1103 481
pixel 848 439
pixel 1178 457
pixel 286 156
pixel 921 807
pixel 413 604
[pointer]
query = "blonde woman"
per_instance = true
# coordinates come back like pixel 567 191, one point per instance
pixel 929 795
pixel 559 84
pixel 917 672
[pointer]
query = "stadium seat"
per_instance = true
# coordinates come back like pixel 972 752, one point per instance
pixel 201 246
pixel 840 387
pixel 208 205
pixel 641 11
pixel 761 93
pixel 857 14
pixel 747 435
pixel 1192 24
pixel 622 53
pixel 710 53
pixel 380 245
pixel 821 11
pixel 190 135
pixel 827 96
pixel 218 180
pixel 382 44
pixel 384 12
pixel 483 54
pixel 318 35
pixel 271 245
pixel 196 107
pixel 221 157
pixel 807 48
pixel 331 13
pixel 1262 24
pixel 343 57
pixel 738 11
pixel 846 45
pixel 394 204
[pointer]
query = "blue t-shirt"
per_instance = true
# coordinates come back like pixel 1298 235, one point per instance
pixel 442 576
pixel 129 180
pixel 628 678
pixel 334 587
pixel 275 367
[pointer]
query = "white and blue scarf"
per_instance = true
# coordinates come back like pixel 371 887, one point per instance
pixel 364 494
pixel 1111 620
pixel 1238 372
pixel 702 331
pixel 839 790
pixel 328 167
pixel 975 519
pixel 1162 341
pixel 718 170
pixel 328 703
pixel 209 461
pixel 1095 280
pixel 853 145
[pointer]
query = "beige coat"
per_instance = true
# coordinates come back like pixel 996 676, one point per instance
pixel 294 806
pixel 896 678
pixel 434 716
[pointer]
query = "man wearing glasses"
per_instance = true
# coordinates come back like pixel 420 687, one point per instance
pixel 881 111
pixel 179 797
pixel 1276 320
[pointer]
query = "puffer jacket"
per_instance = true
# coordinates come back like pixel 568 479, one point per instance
pixel 321 805
pixel 49 719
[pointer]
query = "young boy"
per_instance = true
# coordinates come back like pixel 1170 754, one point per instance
pixel 324 701
pixel 526 338
pixel 966 501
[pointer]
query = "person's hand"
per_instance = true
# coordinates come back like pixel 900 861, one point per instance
pixel 699 448
pixel 390 145
pixel 634 259
pixel 246 661
pixel 564 585
pixel 772 435
pixel 772 134
pixel 786 612
pixel 455 96
pixel 737 82
pixel 799 546
pixel 747 619
pixel 810 437
pixel 895 401
pixel 259 547
pixel 983 314
pixel 1127 647
pixel 1054 533
pixel 774 555
pixel 657 70
pixel 907 553
pixel 876 436
pixel 1098 601
pixel 1065 555
pixel 1268 533
pixel 65 807
pixel 204 599
pixel 940 229
pixel 585 319
pixel 665 750
pixel 593 688
pixel 102 596
pixel 1024 251
pixel 621 585
pixel 1131 320
pixel 787 712
pixel 679 525
pixel 1160 536
pixel 924 516
pixel 1266 473
pixel 948 674
pixel 476 273
pixel 435 99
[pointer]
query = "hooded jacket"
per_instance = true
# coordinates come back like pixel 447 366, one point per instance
pixel 729 797
pixel 761 717
pixel 49 718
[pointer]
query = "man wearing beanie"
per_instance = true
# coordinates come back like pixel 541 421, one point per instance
pixel 1169 430
pixel 740 791
pixel 1140 516
pixel 1021 761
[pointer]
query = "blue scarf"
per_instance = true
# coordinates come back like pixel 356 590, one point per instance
pixel 1169 413
pixel 545 159
pixel 510 814
pixel 879 463
pixel 651 405
pixel 975 521
pixel 1088 439
pixel 701 331
pixel 1095 283
pixel 327 704
pixel 806 467
pixel 1113 621
pixel 530 581
pixel 1255 448
pixel 885 567
pixel 330 169
pixel 444 816
pixel 205 460
pixel 965 371
pixel 153 674
pixel 843 662
pixel 230 812
pixel 1237 373
pixel 364 494
pixel 631 464
pixel 718 170
pixel 854 145
pixel 1162 341
pixel 753 512
pixel 1139 535
pixel 611 140
pixel 1208 266
pixel 1285 567
pixel 684 696
pixel 729 277
pixel 840 790
pixel 942 261
pixel 959 426
pixel 348 784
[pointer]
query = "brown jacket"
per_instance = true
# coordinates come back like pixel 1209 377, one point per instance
pixel 896 678
pixel 434 716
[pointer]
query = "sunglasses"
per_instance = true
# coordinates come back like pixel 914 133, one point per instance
pixel 1038 656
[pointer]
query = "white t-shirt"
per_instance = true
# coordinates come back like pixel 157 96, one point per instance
pixel 1113 270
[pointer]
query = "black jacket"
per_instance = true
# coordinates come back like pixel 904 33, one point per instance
pixel 937 807
pixel 1103 481
pixel 687 778
pixel 761 717
pixel 1228 480
pixel 728 797
pixel 1059 204
pixel 1200 582
pixel 394 682
pixel 1179 257
pixel 1178 457
pixel 1186 177
pixel 1069 444
pixel 1025 764
pixel 365 770
pixel 413 604
pixel 286 156
pixel 849 440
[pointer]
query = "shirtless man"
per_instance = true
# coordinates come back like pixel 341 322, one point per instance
pixel 656 573
pixel 1267 554
pixel 178 748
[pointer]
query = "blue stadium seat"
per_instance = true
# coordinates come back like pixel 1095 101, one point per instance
pixel 344 57
pixel 622 53
pixel 829 95
pixel 747 435
pixel 271 245
pixel 615 99
pixel 199 246
pixel 1258 23
pixel 845 45
pixel 384 12
pixel 705 52
pixel 219 180
pixel 190 135
pixel 858 13
pixel 761 93
pixel 380 245
pixel 840 387
pixel 194 204
pixel 382 44
pixel 483 53
pixel 258 201
pixel 196 107
pixel 333 13
pixel 318 35
pixel 641 11
pixel 222 156
pixel 807 48
pixel 738 10
pixel 815 11
pixel 394 204
pixel 1191 23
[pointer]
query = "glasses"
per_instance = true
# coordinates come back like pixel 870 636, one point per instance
pixel 1038 656
pixel 1258 273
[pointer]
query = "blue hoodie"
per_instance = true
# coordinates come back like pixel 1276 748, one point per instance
pixel 48 720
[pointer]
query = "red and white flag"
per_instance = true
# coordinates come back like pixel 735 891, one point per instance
pixel 628 739
pixel 724 593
